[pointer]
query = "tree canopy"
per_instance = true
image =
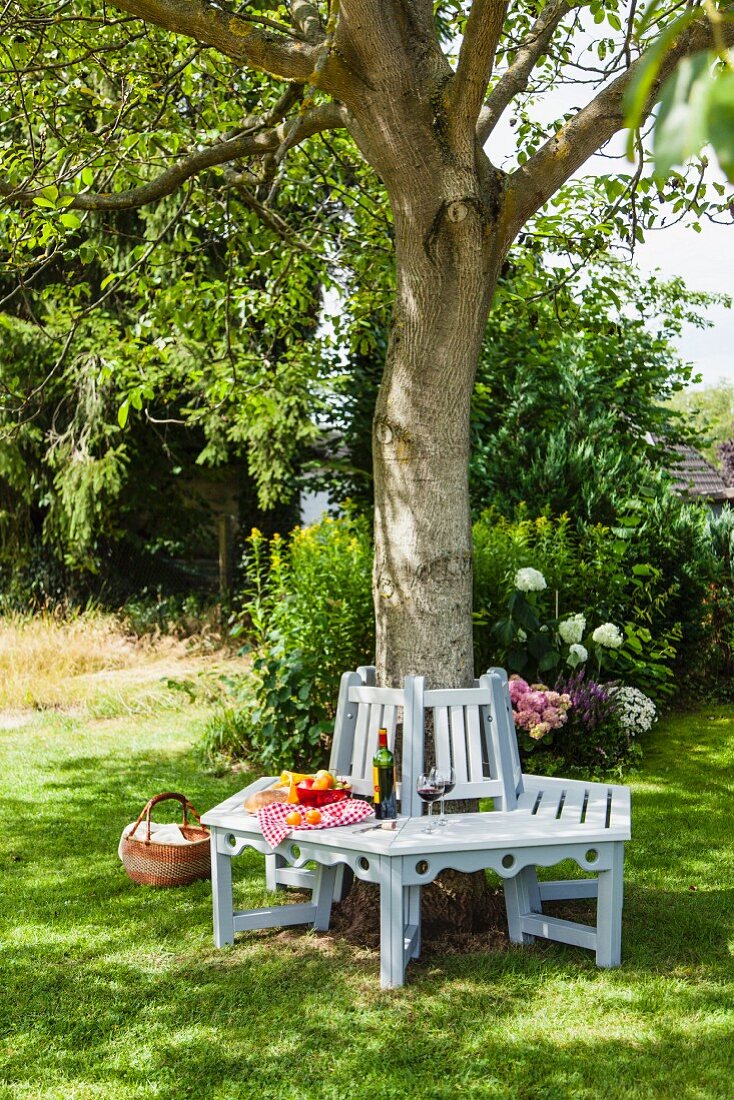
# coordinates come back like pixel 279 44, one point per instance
pixel 201 174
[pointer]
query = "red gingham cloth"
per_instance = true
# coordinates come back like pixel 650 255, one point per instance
pixel 271 819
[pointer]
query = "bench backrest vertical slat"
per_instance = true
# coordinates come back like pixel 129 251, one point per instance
pixel 442 736
pixel 506 726
pixel 413 745
pixel 478 762
pixel 457 719
pixel 361 736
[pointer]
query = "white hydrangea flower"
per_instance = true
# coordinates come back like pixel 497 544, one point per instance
pixel 572 630
pixel 579 651
pixel 637 712
pixel 521 635
pixel 530 580
pixel 608 635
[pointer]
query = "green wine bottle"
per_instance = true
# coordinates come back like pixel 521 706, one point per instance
pixel 383 770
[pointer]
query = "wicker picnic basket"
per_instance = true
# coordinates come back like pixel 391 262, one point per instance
pixel 151 864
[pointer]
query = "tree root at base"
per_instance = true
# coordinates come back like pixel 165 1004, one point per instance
pixel 460 913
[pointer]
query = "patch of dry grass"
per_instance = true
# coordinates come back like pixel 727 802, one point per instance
pixel 46 662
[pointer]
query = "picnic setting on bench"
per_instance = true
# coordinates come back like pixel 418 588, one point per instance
pixel 465 736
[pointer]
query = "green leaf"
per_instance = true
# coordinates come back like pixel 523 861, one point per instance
pixel 680 128
pixel 517 659
pixel 504 631
pixel 122 413
pixel 71 221
pixel 524 615
pixel 639 90
pixel 550 660
pixel 721 120
pixel 87 177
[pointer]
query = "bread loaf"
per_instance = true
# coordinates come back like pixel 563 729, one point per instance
pixel 259 799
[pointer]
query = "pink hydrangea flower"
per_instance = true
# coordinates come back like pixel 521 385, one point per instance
pixel 518 687
pixel 537 709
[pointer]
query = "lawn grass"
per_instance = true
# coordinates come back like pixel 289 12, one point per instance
pixel 111 990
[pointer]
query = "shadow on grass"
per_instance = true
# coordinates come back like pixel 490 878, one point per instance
pixel 115 990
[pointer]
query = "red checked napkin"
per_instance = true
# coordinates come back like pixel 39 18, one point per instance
pixel 272 818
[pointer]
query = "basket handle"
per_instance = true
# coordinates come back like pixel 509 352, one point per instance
pixel 145 812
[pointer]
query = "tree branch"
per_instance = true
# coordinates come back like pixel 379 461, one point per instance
pixel 269 217
pixel 515 79
pixel 531 185
pixel 307 21
pixel 325 117
pixel 231 34
pixel 476 57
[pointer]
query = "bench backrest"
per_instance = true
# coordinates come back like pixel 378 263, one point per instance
pixel 362 710
pixel 472 729
pixel 506 725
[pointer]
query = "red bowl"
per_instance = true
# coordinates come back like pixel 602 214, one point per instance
pixel 307 796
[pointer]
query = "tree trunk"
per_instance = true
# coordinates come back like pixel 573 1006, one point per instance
pixel 421 440
pixel 447 205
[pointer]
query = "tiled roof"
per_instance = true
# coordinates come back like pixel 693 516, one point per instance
pixel 693 475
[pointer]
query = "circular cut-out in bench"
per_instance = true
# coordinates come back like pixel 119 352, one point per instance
pixel 363 864
pixel 422 867
pixel 294 851
pixel 508 861
pixel 231 840
pixel 591 856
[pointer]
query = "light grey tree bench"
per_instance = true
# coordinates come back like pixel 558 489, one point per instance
pixel 536 822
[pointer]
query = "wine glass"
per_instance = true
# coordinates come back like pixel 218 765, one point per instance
pixel 447 777
pixel 429 789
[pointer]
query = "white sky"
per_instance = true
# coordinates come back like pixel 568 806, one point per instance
pixel 704 260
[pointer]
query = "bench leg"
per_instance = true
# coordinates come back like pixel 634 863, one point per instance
pixel 412 903
pixel 392 925
pixel 222 904
pixel 522 896
pixel 344 880
pixel 609 911
pixel 273 863
pixel 323 895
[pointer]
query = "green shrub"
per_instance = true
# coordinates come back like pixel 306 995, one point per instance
pixel 659 574
pixel 308 608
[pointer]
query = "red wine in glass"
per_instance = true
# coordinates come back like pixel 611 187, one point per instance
pixel 430 790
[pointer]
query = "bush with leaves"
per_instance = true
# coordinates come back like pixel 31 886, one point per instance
pixel 308 610
pixel 536 644
pixel 596 737
pixel 572 385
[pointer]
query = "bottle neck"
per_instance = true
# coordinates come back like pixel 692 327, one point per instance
pixel 382 739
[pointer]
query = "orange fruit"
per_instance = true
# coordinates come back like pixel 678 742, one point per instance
pixel 294 818
pixel 324 783
pixel 313 817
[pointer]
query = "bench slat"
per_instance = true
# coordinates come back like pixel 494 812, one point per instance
pixel 573 805
pixel 597 810
pixel 458 744
pixel 475 756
